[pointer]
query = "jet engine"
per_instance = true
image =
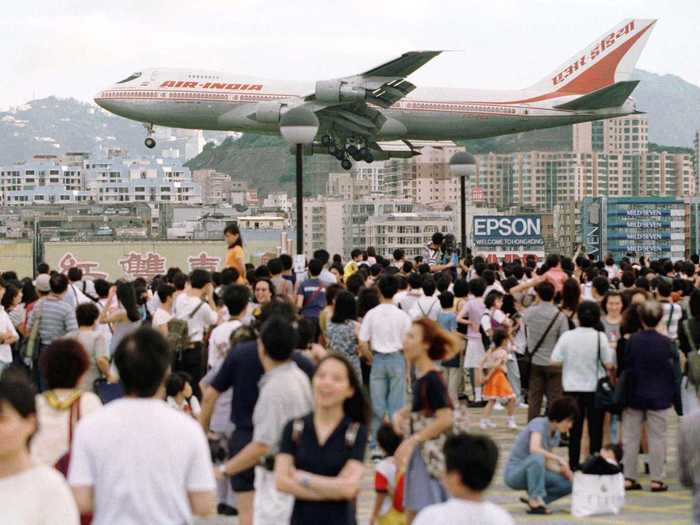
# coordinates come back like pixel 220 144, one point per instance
pixel 333 91
pixel 269 112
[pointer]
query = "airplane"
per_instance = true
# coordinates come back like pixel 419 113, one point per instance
pixel 364 116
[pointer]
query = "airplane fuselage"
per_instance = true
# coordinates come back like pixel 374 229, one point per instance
pixel 219 101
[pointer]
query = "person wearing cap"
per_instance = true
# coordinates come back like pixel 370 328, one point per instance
pixel 42 284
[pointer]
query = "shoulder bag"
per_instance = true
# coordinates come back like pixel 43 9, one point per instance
pixel 526 360
pixel 607 396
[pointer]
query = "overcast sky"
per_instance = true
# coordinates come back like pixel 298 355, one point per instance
pixel 73 48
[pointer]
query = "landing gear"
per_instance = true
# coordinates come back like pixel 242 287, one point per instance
pixel 366 154
pixel 150 142
pixel 343 153
pixel 346 164
pixel 327 140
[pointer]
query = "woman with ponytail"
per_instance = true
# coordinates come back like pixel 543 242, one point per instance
pixel 425 344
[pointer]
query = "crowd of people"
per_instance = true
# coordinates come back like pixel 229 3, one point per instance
pixel 265 393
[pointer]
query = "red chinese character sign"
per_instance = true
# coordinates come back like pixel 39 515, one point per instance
pixel 143 265
pixel 89 268
pixel 204 261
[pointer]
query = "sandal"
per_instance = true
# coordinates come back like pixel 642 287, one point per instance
pixel 539 509
pixel 524 500
pixel 631 484
pixel 660 486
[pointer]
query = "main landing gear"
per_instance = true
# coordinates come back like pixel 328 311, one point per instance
pixel 343 153
pixel 150 142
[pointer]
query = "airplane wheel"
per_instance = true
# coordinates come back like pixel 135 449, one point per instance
pixel 353 151
pixel 346 164
pixel 150 143
pixel 340 154
pixel 364 151
pixel 369 158
pixel 332 150
pixel 326 140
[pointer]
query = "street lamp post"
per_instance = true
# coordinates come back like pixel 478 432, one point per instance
pixel 463 165
pixel 299 126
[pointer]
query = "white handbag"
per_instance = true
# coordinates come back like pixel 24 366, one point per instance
pixel 593 494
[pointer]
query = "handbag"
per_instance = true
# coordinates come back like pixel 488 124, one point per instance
pixel 29 346
pixel 597 494
pixel 107 392
pixel 431 451
pixel 526 360
pixel 609 397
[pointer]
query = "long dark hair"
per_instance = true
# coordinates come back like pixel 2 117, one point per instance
pixel 345 308
pixel 357 408
pixel 233 229
pixel 126 294
pixel 571 294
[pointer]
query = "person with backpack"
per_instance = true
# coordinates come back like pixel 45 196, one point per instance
pixel 196 307
pixel 77 288
pixel 30 492
pixel 164 313
pixel 320 459
pixel 65 365
pixel 427 306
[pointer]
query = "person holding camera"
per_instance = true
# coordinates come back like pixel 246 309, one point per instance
pixel 434 256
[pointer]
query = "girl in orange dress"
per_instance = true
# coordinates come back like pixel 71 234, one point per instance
pixel 495 381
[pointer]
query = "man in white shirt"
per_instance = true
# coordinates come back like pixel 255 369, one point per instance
pixel 8 335
pixel 236 298
pixel 137 460
pixel 427 305
pixel 326 276
pixel 408 301
pixel 381 343
pixel 196 306
pixel 470 462
pixel 77 289
pixel 164 313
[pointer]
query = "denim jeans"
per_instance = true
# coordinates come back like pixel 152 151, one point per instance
pixel 387 388
pixel 514 379
pixel 531 475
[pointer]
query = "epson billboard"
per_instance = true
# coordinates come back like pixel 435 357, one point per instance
pixel 513 231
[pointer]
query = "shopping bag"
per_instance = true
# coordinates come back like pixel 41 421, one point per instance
pixel 594 494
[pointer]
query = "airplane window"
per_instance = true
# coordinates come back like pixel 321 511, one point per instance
pixel 129 78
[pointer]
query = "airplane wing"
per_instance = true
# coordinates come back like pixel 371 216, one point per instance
pixel 345 104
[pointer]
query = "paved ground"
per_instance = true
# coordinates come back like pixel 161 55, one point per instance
pixel 670 508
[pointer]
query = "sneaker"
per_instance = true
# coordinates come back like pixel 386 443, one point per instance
pixel 522 405
pixel 498 406
pixel 226 510
pixel 486 424
pixel 377 457
pixel 512 424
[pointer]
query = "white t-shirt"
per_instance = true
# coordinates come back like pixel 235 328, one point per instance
pixel 142 458
pixel 37 496
pixel 577 350
pixel 51 440
pixel 219 342
pixel 6 326
pixel 462 512
pixel 160 318
pixel 426 307
pixel 384 327
pixel 203 318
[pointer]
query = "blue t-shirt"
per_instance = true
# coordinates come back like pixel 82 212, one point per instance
pixel 448 320
pixel 521 447
pixel 314 293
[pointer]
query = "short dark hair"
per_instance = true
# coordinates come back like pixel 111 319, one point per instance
pixel 398 254
pixel 437 238
pixel 199 278
pixel 63 363
pixel 142 359
pixel 447 299
pixel 492 297
pixel 176 383
pixel 545 291
pixel 356 252
pixel 180 281
pixel 229 276
pixel 345 308
pixel 18 392
pixel 102 287
pixel 588 313
pixel 388 439
pixel 58 283
pixel 315 267
pixel 664 288
pixel 388 286
pixel 474 457
pixel 275 266
pixel 86 314
pixel 428 286
pixel 286 260
pixel 322 255
pixel 279 336
pixel 563 408
pixel 75 274
pixel 461 288
pixel 477 286
pixel 42 267
pixel 601 285
pixel 499 336
pixel 236 298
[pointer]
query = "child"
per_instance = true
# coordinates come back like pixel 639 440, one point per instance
pixel 495 383
pixel 388 481
pixel 178 390
pixel 605 462
pixel 470 463
pixel 451 368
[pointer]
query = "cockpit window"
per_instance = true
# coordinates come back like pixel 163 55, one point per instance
pixel 129 78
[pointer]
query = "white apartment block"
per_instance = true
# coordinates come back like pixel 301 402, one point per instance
pixel 411 232
pixel 619 136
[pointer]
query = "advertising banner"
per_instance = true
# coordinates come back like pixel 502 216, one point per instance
pixel 505 237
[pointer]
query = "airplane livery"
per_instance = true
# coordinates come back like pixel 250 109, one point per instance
pixel 379 114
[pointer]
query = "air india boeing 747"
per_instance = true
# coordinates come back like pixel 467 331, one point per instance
pixel 358 113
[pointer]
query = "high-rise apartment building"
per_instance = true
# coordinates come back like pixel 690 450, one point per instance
pixel 620 136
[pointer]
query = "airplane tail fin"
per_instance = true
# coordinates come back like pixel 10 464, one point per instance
pixel 609 59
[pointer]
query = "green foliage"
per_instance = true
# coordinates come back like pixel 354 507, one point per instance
pixel 653 147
